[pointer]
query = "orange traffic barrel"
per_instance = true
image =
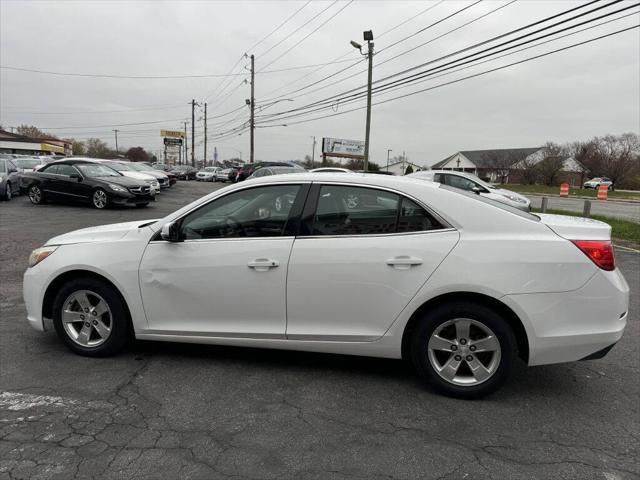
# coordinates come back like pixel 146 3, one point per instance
pixel 602 192
pixel 564 190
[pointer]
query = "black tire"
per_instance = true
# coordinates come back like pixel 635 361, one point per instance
pixel 36 196
pixel 8 194
pixel 477 312
pixel 99 199
pixel 120 324
pixel 141 205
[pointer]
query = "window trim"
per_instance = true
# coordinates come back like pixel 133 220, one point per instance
pixel 312 203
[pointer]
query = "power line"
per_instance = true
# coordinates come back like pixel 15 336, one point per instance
pixel 297 44
pixel 470 76
pixel 278 27
pixel 345 95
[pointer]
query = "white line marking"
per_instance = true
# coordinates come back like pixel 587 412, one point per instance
pixel 23 401
pixel 626 248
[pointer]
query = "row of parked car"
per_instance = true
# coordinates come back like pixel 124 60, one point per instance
pixel 98 182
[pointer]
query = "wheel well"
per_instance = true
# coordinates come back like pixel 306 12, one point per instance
pixel 514 322
pixel 54 288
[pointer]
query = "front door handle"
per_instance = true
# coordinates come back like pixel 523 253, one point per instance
pixel 263 264
pixel 404 262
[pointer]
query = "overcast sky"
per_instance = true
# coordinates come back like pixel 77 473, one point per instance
pixel 589 90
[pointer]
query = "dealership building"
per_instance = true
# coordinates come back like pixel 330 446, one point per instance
pixel 23 145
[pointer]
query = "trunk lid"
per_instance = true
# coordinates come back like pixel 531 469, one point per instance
pixel 576 228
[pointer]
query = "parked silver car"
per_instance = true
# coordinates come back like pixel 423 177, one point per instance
pixel 9 179
pixel 597 181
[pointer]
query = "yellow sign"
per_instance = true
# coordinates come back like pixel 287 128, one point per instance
pixel 47 147
pixel 171 133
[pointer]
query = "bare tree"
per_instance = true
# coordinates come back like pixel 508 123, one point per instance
pixel 619 156
pixel 98 149
pixel 552 162
pixel 137 154
pixel 529 167
pixel 502 161
pixel 34 132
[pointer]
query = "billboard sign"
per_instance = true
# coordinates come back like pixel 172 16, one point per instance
pixel 338 147
pixel 172 133
pixel 172 141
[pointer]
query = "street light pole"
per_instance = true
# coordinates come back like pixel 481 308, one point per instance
pixel 388 151
pixel 368 36
pixel 116 132
pixel 193 133
pixel 252 120
pixel 205 135
pixel 313 151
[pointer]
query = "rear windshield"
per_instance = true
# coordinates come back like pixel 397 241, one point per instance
pixel 495 203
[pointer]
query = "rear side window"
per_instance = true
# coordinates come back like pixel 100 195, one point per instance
pixel 346 210
pixel 64 169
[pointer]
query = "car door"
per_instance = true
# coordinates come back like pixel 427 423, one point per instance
pixel 67 183
pixel 48 181
pixel 228 275
pixel 361 255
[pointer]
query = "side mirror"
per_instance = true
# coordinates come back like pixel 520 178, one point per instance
pixel 171 232
pixel 477 190
pixel 76 177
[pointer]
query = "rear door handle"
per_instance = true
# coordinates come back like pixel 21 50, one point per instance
pixel 263 264
pixel 404 262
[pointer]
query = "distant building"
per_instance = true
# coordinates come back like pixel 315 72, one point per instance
pixel 399 168
pixel 20 144
pixel 505 165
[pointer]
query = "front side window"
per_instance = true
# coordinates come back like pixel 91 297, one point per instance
pixel 97 170
pixel 254 212
pixel 343 210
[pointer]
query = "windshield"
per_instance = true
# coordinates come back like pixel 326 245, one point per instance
pixel 210 169
pixel 26 163
pixel 138 168
pixel 495 203
pixel 95 170
pixel 120 167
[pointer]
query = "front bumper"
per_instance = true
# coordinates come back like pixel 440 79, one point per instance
pixel 131 199
pixel 571 326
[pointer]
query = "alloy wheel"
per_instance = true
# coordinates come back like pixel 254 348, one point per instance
pixel 464 352
pixel 35 195
pixel 87 318
pixel 99 199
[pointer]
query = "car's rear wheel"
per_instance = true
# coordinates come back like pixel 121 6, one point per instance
pixel 8 194
pixel 464 349
pixel 90 317
pixel 99 199
pixel 35 195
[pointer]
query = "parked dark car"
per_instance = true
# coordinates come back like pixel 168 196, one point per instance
pixel 9 179
pixel 184 172
pixel 248 168
pixel 84 181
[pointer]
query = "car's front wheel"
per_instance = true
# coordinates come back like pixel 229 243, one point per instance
pixel 99 199
pixel 464 349
pixel 90 317
pixel 35 195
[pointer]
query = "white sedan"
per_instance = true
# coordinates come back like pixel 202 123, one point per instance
pixel 208 174
pixel 460 285
pixel 471 183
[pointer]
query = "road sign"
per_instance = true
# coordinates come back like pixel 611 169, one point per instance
pixel 172 133
pixel 338 147
pixel 172 141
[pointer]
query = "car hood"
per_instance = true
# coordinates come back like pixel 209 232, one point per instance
pixel 120 180
pixel 138 175
pixel 103 233
pixel 154 174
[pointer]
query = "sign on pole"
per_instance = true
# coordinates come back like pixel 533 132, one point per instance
pixel 172 141
pixel 172 133
pixel 339 147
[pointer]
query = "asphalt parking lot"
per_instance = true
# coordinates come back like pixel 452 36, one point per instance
pixel 163 410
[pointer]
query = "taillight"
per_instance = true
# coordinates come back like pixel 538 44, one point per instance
pixel 600 252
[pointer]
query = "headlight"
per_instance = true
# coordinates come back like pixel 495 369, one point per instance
pixel 39 254
pixel 117 188
pixel 516 199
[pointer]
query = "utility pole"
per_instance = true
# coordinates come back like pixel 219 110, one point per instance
pixel 205 135
pixel 252 120
pixel 116 132
pixel 193 133
pixel 313 152
pixel 388 152
pixel 186 144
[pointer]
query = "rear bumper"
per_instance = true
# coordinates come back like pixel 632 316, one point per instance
pixel 572 326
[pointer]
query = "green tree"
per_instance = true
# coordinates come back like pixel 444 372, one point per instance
pixel 408 170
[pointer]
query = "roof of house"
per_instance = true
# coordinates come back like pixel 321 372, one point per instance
pixel 481 157
pixel 407 162
pixel 16 137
